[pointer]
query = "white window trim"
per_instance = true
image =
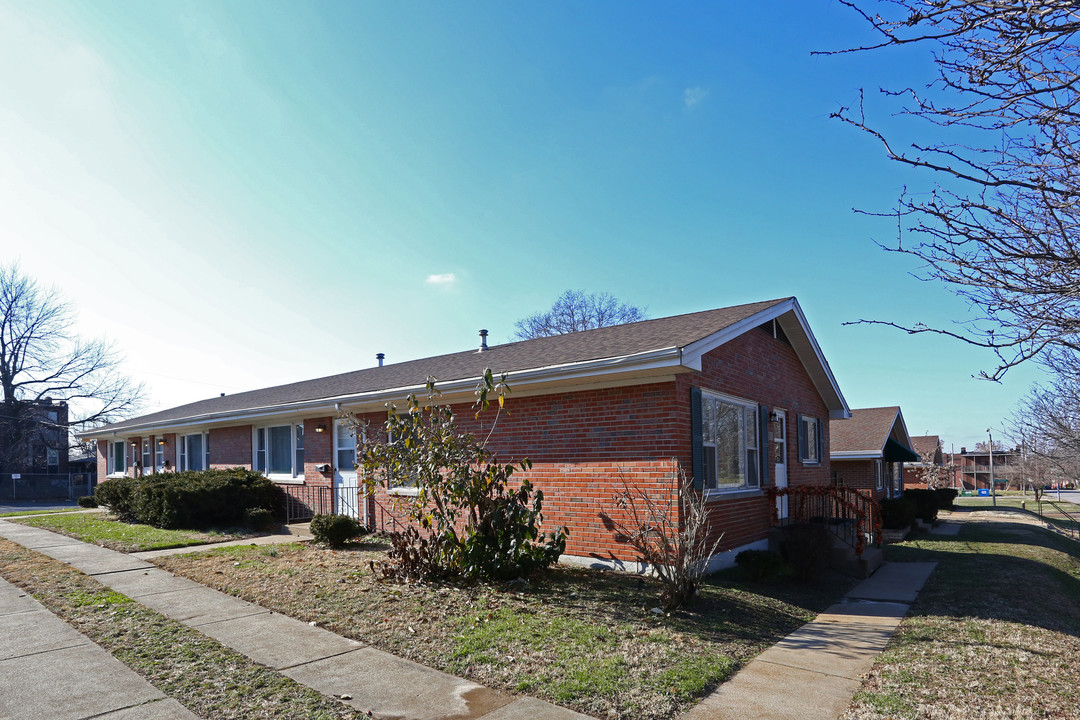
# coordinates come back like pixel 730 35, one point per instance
pixel 147 452
pixel 296 476
pixel 159 454
pixel 181 450
pixel 819 444
pixel 744 490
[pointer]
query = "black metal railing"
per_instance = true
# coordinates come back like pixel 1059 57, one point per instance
pixel 303 502
pixel 1067 520
pixel 854 518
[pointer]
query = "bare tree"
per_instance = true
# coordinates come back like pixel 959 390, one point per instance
pixel 1001 225
pixel 42 358
pixel 933 474
pixel 575 311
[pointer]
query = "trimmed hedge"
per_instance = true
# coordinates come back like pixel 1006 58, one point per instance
pixel 897 513
pixel 946 498
pixel 806 546
pixel 926 504
pixel 192 499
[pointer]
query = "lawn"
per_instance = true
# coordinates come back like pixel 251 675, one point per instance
pixel 209 679
pixel 1017 502
pixel 125 537
pixel 587 640
pixel 994 634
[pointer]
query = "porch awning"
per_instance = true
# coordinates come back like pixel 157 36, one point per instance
pixel 895 452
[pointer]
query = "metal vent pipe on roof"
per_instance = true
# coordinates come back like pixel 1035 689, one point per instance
pixel 380 357
pixel 483 340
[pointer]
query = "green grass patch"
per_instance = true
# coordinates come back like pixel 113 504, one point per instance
pixel 18 513
pixel 125 537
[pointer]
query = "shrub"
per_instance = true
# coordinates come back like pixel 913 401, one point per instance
pixel 926 504
pixel 118 494
pixel 335 530
pixel 946 498
pixel 87 501
pixel 897 513
pixel 759 565
pixel 475 524
pixel 260 518
pixel 191 499
pixel 806 546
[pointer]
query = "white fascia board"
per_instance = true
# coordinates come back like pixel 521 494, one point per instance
pixel 571 374
pixel 802 340
pixel 856 455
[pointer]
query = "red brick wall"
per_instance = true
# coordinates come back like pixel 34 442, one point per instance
pixel 318 450
pixel 584 444
pixel 859 475
pixel 230 447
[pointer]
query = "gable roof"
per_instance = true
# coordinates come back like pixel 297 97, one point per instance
pixel 650 348
pixel 870 433
pixel 926 444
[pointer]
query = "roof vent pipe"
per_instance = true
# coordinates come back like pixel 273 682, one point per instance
pixel 483 340
pixel 380 357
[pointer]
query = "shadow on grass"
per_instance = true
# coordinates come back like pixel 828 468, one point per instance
pixel 1013 572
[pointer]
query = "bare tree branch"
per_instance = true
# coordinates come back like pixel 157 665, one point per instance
pixel 575 311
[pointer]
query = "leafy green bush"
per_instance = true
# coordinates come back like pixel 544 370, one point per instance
pixel 475 524
pixel 926 504
pixel 87 501
pixel 946 497
pixel 897 513
pixel 118 494
pixel 260 518
pixel 759 565
pixel 335 530
pixel 806 546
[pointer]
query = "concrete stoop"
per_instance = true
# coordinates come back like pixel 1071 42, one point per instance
pixel 842 557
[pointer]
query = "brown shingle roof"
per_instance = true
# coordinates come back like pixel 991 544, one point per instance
pixel 864 432
pixel 925 444
pixel 609 342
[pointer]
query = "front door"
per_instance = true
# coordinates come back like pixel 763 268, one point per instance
pixel 346 492
pixel 779 433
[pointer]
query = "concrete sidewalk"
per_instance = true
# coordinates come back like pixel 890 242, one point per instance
pixel 375 681
pixel 810 675
pixel 813 673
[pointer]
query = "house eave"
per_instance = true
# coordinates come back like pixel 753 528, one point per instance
pixel 649 366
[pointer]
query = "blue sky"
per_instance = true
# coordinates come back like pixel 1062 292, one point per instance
pixel 242 194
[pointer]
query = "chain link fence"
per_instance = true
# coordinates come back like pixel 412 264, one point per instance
pixel 22 487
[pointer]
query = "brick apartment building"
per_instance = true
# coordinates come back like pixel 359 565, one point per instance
pixel 737 398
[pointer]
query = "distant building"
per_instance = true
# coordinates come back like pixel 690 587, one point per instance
pixel 868 451
pixel 43 449
pixel 928 448
pixel 971 468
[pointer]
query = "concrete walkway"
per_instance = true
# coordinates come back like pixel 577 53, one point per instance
pixel 811 674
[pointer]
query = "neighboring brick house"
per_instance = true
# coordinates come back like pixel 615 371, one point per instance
pixel 869 450
pixel 714 394
pixel 928 448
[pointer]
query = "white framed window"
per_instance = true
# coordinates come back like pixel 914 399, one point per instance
pixel 811 440
pixel 52 460
pixel 729 443
pixel 194 452
pixel 159 454
pixel 278 451
pixel 147 458
pixel 117 458
pixel 344 446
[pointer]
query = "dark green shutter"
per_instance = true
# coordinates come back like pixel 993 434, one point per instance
pixel 801 433
pixel 696 451
pixel 763 445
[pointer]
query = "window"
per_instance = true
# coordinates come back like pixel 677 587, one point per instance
pixel 811 440
pixel 194 452
pixel 52 460
pixel 279 451
pixel 147 458
pixel 879 475
pixel 159 455
pixel 345 447
pixel 117 458
pixel 726 432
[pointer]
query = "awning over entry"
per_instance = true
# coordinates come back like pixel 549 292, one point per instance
pixel 895 452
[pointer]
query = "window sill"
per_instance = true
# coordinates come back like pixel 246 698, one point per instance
pixel 404 491
pixel 715 494
pixel 285 480
pixel 116 475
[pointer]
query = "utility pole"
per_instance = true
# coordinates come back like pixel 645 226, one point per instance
pixel 993 487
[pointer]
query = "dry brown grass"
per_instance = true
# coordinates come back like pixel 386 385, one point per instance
pixel 995 635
